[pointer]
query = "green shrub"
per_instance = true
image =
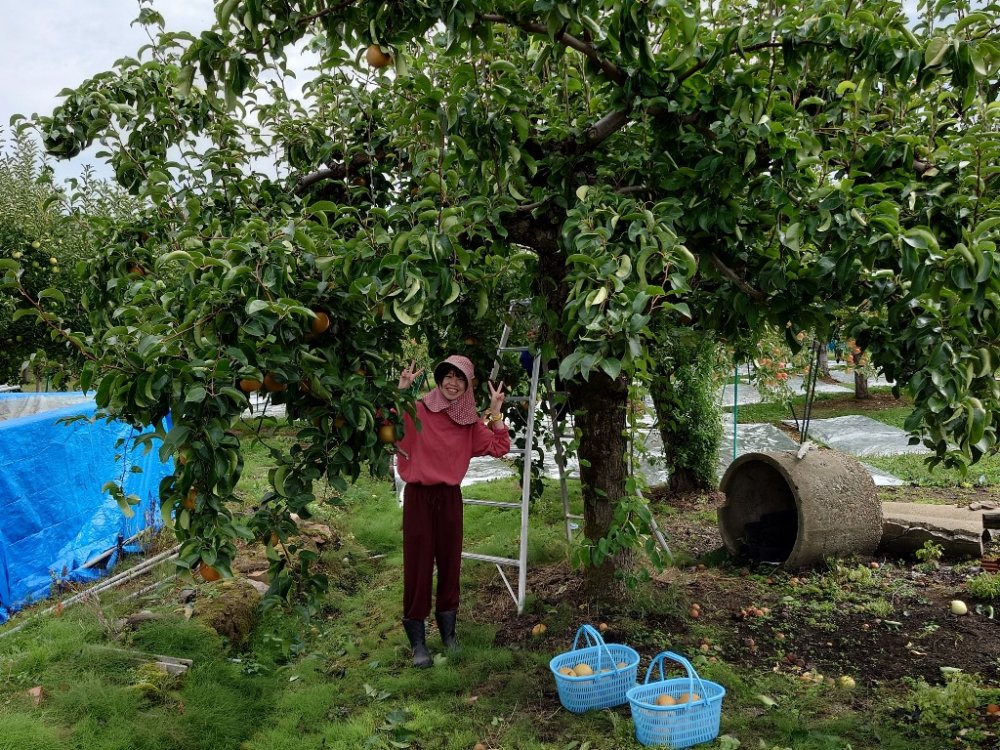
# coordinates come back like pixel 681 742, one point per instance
pixel 948 708
pixel 683 389
pixel 984 586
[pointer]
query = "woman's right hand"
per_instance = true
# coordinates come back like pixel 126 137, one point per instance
pixel 408 375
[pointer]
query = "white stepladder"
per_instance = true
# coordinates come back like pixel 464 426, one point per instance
pixel 571 520
pixel 521 561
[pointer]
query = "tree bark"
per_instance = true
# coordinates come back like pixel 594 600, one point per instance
pixel 823 361
pixel 600 405
pixel 860 384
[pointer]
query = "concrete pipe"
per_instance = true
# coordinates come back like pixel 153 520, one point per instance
pixel 797 511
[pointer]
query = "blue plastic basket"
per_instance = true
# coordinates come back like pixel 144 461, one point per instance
pixel 609 684
pixel 681 725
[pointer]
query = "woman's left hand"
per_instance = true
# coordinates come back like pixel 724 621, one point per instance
pixel 497 397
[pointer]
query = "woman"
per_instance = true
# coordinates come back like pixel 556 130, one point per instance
pixel 433 459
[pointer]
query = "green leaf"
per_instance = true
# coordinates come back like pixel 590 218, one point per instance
pixel 278 479
pixel 52 293
pixel 935 51
pixel 407 314
pixel 921 239
pixel 178 255
pixel 484 304
pixel 174 439
pixel 624 267
pixel 147 344
pixel 597 297
pixel 257 305
pixel 612 367
pixel 23 312
pixel 195 395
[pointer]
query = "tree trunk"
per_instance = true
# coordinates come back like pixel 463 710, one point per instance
pixel 860 384
pixel 823 361
pixel 684 480
pixel 600 405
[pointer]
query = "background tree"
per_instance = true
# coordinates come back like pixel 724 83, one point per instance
pixel 721 166
pixel 686 374
pixel 38 232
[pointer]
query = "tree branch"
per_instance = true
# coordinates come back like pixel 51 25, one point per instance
pixel 607 126
pixel 613 72
pixel 336 171
pixel 541 234
pixel 307 181
pixel 742 50
pixel 754 294
pixel 633 189
pixel 326 12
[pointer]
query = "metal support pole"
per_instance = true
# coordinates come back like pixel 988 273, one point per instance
pixel 736 404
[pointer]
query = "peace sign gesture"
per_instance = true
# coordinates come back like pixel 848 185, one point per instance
pixel 408 375
pixel 497 397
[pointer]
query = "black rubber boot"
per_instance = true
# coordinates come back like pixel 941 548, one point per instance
pixel 446 625
pixel 415 632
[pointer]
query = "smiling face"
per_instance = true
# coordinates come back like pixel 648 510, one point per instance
pixel 453 384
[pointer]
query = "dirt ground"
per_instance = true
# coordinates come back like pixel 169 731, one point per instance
pixel 875 619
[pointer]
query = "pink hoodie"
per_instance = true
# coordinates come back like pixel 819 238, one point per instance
pixel 450 435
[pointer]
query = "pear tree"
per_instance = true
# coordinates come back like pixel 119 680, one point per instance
pixel 629 166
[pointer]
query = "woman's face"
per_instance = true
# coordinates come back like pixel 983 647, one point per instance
pixel 453 384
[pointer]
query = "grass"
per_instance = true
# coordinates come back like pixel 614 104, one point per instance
pixel 913 469
pixel 342 680
pixel 825 406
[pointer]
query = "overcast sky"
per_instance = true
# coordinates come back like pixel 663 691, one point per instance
pixel 49 45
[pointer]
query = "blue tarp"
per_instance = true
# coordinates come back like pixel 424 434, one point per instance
pixel 54 516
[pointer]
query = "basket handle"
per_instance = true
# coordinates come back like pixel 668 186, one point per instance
pixel 692 675
pixel 594 639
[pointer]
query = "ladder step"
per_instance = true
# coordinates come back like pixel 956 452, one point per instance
pixel 575 518
pixel 514 349
pixel 516 399
pixel 491 559
pixel 491 503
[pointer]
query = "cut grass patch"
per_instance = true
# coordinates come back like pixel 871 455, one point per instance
pixel 913 469
pixel 882 406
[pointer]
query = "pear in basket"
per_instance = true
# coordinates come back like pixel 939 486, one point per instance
pixel 665 700
pixel 583 670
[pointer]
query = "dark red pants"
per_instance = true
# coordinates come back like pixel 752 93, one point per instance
pixel 432 533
